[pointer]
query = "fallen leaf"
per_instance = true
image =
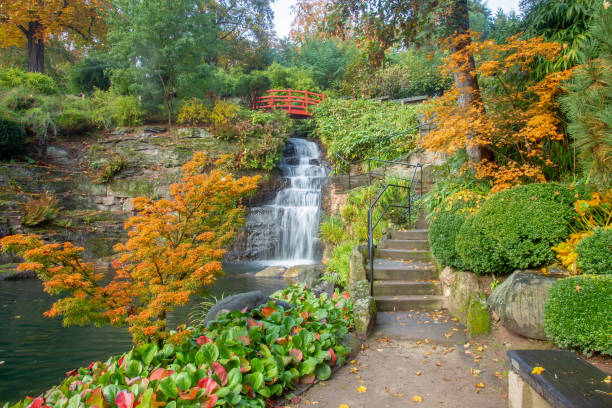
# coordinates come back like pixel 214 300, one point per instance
pixel 362 389
pixel 418 372
pixel 399 394
pixel 538 370
pixel 480 385
pixel 607 380
pixel 417 399
pixel 343 406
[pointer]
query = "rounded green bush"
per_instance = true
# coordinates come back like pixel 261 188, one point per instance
pixel 515 229
pixel 577 313
pixel 595 253
pixel 12 139
pixel 446 221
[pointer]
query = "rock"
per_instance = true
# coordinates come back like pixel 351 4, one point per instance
pixel 293 272
pixel 478 320
pixel 248 300
pixel 519 302
pixel 193 133
pixel 4 228
pixel 155 130
pixel 357 270
pixel 307 275
pixel 9 272
pixel 359 289
pixel 58 155
pixel 271 272
pixel 310 275
pixel 364 313
pixel 458 287
pixel 323 287
pixel 122 131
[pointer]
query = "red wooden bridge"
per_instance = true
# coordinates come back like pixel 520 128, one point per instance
pixel 296 103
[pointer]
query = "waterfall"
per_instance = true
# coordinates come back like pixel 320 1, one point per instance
pixel 284 232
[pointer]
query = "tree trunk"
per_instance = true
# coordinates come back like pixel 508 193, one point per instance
pixel 465 82
pixel 36 48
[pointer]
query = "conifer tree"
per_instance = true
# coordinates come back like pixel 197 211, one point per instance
pixel 588 104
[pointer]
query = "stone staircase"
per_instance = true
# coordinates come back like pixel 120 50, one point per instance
pixel 405 276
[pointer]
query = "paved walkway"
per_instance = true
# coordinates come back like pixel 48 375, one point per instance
pixel 418 359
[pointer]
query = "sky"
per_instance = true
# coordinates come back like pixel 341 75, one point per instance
pixel 283 17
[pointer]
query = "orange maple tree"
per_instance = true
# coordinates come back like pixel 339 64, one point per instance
pixel 175 248
pixel 32 22
pixel 516 118
pixel 309 15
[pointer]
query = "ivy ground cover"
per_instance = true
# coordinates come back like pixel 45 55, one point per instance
pixel 243 359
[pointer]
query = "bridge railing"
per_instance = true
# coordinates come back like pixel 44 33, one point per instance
pixel 293 101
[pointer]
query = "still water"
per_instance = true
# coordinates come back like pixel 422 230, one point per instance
pixel 36 351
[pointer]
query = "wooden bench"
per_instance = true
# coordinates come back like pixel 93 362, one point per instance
pixel 566 382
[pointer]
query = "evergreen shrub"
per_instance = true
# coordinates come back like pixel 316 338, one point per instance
pixel 595 253
pixel 445 223
pixel 516 228
pixel 577 313
pixel 12 139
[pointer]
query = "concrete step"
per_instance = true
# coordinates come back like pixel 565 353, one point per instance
pixel 403 254
pixel 419 244
pixel 413 302
pixel 410 234
pixel 419 225
pixel 405 288
pixel 397 270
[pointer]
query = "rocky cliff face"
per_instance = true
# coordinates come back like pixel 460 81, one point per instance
pixel 92 213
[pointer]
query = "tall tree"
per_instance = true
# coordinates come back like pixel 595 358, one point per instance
pixel 34 22
pixel 381 24
pixel 161 39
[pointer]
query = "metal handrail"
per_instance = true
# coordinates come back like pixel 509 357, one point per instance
pixel 372 226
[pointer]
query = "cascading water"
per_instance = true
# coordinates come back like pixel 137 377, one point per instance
pixel 284 232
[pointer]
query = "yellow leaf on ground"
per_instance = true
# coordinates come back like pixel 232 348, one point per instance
pixel 417 398
pixel 418 372
pixel 399 394
pixel 480 385
pixel 608 379
pixel 538 370
pixel 361 389
pixel 343 406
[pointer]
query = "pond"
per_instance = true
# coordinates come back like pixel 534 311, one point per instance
pixel 36 351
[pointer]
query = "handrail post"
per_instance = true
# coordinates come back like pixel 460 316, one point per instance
pixel 371 251
pixel 421 167
pixel 370 171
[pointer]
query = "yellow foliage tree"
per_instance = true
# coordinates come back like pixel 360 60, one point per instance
pixel 516 118
pixel 32 22
pixel 175 247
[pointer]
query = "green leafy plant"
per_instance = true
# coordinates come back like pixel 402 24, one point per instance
pixel 12 139
pixel 331 230
pixel 446 221
pixel 40 83
pixel 595 252
pixel 112 169
pixel 40 209
pixel 515 229
pixel 339 263
pixel 242 359
pixel 577 313
pixel 356 128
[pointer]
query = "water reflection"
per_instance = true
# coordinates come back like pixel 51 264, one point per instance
pixel 37 351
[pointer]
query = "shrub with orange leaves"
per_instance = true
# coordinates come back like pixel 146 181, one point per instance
pixel 517 118
pixel 175 247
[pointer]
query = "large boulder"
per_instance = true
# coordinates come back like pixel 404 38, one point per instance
pixel 364 314
pixel 357 270
pixel 271 272
pixel 458 287
pixel 323 287
pixel 519 302
pixel 308 275
pixel 242 301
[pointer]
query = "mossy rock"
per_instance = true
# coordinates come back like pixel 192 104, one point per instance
pixel 478 319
